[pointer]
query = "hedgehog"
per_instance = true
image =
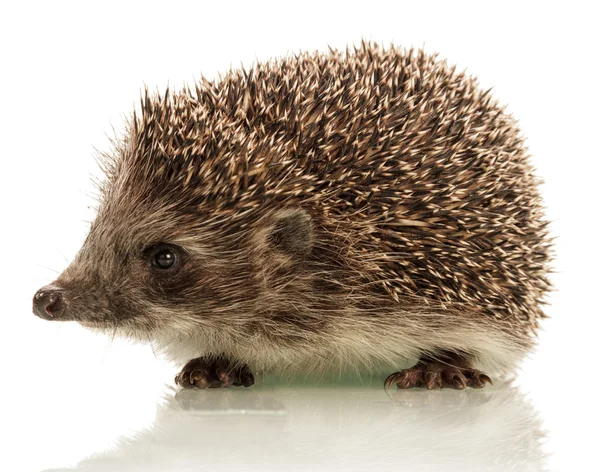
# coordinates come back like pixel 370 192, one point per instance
pixel 348 211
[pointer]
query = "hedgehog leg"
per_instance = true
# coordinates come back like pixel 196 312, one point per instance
pixel 213 372
pixel 445 370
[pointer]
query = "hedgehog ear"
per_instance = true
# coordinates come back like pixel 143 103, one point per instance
pixel 291 232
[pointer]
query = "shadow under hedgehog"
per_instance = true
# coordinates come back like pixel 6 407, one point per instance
pixel 335 211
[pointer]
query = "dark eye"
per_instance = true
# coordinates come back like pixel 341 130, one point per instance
pixel 164 259
pixel 163 256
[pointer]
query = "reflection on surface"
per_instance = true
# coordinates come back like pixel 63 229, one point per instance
pixel 325 428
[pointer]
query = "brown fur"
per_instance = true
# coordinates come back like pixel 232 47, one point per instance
pixel 335 210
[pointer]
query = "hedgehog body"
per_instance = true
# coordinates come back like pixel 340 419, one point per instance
pixel 343 211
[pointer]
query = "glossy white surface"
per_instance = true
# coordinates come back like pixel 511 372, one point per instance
pixel 71 400
pixel 332 429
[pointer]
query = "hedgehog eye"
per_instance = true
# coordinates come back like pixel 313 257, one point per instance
pixel 164 259
pixel 163 256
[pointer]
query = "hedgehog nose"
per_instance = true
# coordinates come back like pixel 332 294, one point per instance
pixel 48 303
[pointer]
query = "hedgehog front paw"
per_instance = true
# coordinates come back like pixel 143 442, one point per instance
pixel 214 372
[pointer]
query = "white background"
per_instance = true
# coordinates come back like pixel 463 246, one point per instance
pixel 69 399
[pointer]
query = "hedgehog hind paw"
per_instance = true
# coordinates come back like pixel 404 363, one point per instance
pixel 435 375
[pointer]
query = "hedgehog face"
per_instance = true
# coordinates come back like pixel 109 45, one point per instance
pixel 130 276
pixel 172 270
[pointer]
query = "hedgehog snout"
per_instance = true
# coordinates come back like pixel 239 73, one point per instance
pixel 49 303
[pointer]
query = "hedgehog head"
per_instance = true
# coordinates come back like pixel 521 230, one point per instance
pixel 174 243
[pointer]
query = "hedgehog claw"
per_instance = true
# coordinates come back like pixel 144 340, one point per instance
pixel 459 382
pixel 405 379
pixel 433 380
pixel 478 379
